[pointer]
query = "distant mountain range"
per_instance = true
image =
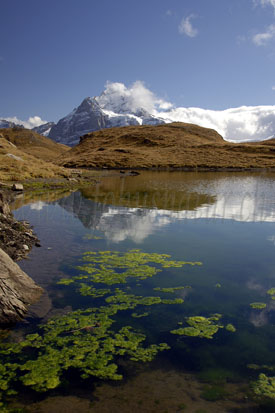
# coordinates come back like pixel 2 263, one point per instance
pixel 136 105
pixel 7 124
pixel 91 115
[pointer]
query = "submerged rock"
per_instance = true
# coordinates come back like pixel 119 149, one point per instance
pixel 17 290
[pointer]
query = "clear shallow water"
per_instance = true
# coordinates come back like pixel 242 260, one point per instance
pixel 226 221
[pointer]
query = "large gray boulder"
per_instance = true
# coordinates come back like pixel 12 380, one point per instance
pixel 17 290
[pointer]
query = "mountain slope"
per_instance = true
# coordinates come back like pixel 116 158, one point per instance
pixel 174 145
pixel 16 164
pixel 44 129
pixel 33 144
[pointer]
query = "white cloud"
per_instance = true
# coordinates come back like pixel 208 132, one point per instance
pixel 38 206
pixel 249 203
pixel 32 122
pixel 261 39
pixel 273 88
pixel 265 2
pixel 117 97
pixel 246 123
pixel 186 27
pixel 169 13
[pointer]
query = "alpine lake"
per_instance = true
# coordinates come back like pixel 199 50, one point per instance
pixel 159 297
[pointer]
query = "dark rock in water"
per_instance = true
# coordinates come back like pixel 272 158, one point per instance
pixel 17 290
pixel 4 206
pixel 14 234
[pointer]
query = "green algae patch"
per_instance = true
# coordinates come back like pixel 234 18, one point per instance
pixel 258 306
pixel 89 340
pixel 264 387
pixel 231 328
pixel 82 340
pixel 139 315
pixel 170 290
pixel 200 326
pixel 271 291
pixel 114 267
pixel 91 237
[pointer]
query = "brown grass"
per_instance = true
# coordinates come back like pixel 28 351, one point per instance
pixel 175 145
pixel 33 144
pixel 30 166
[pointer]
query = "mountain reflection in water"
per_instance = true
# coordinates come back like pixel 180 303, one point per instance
pixel 134 211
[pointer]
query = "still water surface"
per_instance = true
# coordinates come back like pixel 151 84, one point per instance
pixel 225 221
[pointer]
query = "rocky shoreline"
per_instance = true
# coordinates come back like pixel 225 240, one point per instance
pixel 17 289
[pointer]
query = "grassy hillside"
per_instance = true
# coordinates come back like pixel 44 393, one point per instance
pixel 175 145
pixel 34 144
pixel 24 155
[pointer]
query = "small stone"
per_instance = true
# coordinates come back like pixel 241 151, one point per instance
pixel 17 187
pixel 16 158
pixel 25 247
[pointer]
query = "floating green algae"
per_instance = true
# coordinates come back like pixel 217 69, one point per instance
pixel 114 267
pixel 231 328
pixel 169 289
pixel 258 306
pixel 91 236
pixel 271 291
pixel 264 387
pixel 139 315
pixel 200 326
pixel 253 366
pixel 84 339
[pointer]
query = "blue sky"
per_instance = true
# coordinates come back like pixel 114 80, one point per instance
pixel 212 54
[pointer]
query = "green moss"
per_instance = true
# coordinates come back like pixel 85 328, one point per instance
pixel 271 291
pixel 216 375
pixel 214 393
pixel 258 306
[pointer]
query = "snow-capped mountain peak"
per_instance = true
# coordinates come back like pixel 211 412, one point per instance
pixel 96 113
